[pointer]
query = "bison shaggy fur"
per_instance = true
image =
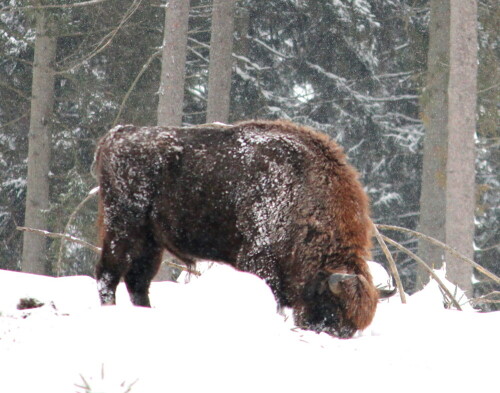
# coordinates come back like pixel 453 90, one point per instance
pixel 268 197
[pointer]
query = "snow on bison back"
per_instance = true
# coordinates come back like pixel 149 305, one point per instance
pixel 267 197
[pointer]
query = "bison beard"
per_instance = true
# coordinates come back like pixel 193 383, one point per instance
pixel 271 198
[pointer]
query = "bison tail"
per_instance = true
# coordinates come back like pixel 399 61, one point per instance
pixel 100 220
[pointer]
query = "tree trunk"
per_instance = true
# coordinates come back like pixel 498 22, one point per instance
pixel 171 92
pixel 242 26
pixel 220 67
pixel 448 170
pixel 460 168
pixel 173 74
pixel 435 108
pixel 42 100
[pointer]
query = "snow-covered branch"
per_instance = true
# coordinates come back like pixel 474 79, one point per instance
pixel 269 48
pixel 61 236
pixel 46 6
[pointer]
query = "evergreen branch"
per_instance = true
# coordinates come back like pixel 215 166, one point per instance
pixel 234 55
pixel 199 55
pixel 269 48
pixel 403 97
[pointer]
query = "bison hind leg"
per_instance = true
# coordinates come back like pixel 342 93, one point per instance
pixel 142 270
pixel 134 255
pixel 107 281
pixel 139 277
pixel 109 271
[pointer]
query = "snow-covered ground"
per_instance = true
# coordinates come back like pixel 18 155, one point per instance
pixel 221 333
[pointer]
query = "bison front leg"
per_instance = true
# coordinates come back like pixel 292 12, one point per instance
pixel 261 261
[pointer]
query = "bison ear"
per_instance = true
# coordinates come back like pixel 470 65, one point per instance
pixel 336 278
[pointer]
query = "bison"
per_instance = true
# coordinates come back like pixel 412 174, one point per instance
pixel 271 198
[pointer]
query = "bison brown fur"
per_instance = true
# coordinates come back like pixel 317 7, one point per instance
pixel 267 197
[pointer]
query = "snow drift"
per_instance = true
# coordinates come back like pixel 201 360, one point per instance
pixel 197 338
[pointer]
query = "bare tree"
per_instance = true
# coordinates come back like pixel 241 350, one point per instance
pixel 171 92
pixel 220 67
pixel 173 74
pixel 460 168
pixel 448 184
pixel 435 109
pixel 242 42
pixel 37 198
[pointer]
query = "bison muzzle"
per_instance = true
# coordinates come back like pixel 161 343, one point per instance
pixel 267 197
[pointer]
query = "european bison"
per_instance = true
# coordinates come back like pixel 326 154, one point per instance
pixel 267 197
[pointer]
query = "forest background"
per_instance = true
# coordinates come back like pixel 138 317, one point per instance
pixel 356 70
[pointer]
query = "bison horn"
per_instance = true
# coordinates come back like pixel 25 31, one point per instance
pixel 385 293
pixel 335 279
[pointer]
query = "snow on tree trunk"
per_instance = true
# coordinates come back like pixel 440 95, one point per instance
pixel 37 198
pixel 460 168
pixel 171 92
pixel 220 67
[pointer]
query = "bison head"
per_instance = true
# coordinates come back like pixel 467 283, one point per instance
pixel 338 303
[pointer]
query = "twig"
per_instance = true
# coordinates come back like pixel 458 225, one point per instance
pixel 18 59
pixel 199 55
pixel 19 92
pixel 392 264
pixel 134 83
pixel 91 194
pixel 90 246
pixel 489 248
pixel 61 235
pixel 451 250
pixel 39 7
pixel 426 267
pixel 14 120
pixel 483 299
pixel 106 40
